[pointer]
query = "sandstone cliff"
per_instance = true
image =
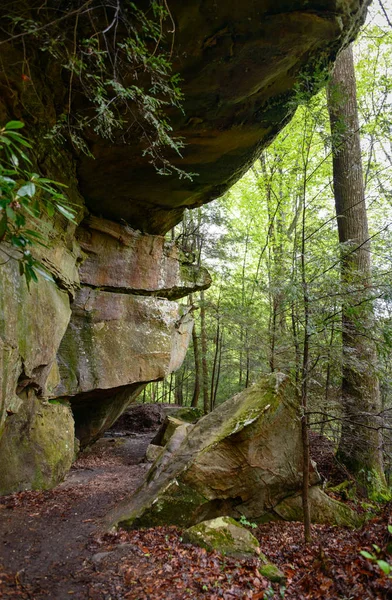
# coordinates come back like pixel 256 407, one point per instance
pixel 83 348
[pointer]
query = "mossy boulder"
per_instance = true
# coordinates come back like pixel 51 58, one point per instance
pixel 153 452
pixel 323 509
pixel 225 535
pixel 271 571
pixel 37 447
pixel 243 458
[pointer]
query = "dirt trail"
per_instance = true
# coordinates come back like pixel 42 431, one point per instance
pixel 52 547
pixel 48 539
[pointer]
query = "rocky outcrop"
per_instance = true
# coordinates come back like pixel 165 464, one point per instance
pixel 32 325
pixel 37 447
pixel 93 348
pixel 108 324
pixel 239 63
pixel 118 258
pixel 244 458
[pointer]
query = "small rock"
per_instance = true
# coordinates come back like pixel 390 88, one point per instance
pixel 271 571
pixel 225 535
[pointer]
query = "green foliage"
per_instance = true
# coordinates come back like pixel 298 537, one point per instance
pixel 117 59
pixel 24 198
pixel 374 557
pixel 244 521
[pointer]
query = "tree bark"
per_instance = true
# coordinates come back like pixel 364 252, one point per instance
pixel 360 443
pixel 196 389
pixel 204 366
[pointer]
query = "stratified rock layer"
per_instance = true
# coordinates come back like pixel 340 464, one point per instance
pixel 94 348
pixel 118 258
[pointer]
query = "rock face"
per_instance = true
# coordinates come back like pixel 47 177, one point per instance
pixel 239 62
pixel 109 324
pixel 93 348
pixel 37 448
pixel 244 458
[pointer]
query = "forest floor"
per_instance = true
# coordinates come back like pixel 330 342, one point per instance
pixel 52 547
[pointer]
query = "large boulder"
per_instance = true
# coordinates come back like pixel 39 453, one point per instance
pixel 244 458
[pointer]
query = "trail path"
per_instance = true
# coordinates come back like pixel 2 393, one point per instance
pixel 52 547
pixel 47 538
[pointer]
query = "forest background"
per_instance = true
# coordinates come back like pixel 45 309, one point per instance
pixel 278 220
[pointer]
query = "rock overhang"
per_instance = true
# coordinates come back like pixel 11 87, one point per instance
pixel 239 64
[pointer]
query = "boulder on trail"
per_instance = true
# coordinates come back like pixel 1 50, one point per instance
pixel 243 458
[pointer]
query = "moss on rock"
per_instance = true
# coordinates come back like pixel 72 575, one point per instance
pixel 37 447
pixel 190 414
pixel 271 571
pixel 323 509
pixel 175 505
pixel 225 535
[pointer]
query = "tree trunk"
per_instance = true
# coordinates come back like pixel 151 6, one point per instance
pixel 178 382
pixel 204 367
pixel 213 402
pixel 360 444
pixel 196 389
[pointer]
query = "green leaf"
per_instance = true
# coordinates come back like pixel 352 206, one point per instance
pixel 14 125
pixel 14 160
pixel 367 555
pixel 68 214
pixel 390 529
pixel 10 213
pixel 27 190
pixel 33 233
pixel 49 209
pixel 384 566
pixel 32 274
pixel 45 180
pixel 7 180
pixel 17 137
pixel 45 274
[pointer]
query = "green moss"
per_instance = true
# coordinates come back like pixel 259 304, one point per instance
pixel 225 535
pixel 378 490
pixel 272 573
pixel 189 414
pixel 176 505
pixel 37 448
